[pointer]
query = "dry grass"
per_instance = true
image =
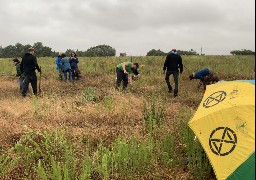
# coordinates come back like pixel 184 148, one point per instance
pixel 61 105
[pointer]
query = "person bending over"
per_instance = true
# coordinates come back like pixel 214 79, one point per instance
pixel 124 70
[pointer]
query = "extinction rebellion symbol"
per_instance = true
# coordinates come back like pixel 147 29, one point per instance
pixel 214 99
pixel 222 141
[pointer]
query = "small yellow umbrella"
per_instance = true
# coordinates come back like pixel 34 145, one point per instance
pixel 225 126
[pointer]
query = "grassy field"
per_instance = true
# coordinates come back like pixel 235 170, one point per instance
pixel 88 130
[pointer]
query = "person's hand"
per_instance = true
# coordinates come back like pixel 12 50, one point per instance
pixel 125 72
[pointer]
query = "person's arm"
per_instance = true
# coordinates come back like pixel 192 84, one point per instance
pixel 57 61
pixel 76 60
pixel 61 65
pixel 21 67
pixel 124 67
pixel 165 64
pixel 130 79
pixel 180 64
pixel 36 65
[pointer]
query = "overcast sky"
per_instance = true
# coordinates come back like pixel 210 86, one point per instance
pixel 131 26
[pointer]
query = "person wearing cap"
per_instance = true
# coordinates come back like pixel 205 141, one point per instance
pixel 28 67
pixel 174 66
pixel 206 77
pixel 123 70
pixel 58 59
pixel 16 62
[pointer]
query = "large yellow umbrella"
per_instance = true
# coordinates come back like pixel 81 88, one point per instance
pixel 225 126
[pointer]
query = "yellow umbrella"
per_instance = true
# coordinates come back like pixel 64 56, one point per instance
pixel 225 126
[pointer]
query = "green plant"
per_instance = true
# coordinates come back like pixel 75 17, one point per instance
pixel 153 114
pixel 108 102
pixel 90 95
pixel 198 162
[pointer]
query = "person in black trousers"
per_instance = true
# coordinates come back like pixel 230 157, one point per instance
pixel 28 67
pixel 174 66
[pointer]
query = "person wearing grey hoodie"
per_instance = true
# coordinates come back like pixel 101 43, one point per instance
pixel 65 67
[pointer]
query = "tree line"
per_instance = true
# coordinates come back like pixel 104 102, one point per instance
pixel 158 52
pixel 18 50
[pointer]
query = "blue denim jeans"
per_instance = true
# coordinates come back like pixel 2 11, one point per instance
pixel 21 82
pixel 69 74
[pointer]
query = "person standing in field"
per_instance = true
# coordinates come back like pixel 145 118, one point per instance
pixel 65 67
pixel 124 70
pixel 28 66
pixel 174 66
pixel 58 59
pixel 16 62
pixel 73 60
pixel 206 77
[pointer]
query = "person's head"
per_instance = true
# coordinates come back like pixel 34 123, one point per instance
pixel 191 76
pixel 15 61
pixel 173 51
pixel 60 53
pixel 135 66
pixel 73 54
pixel 63 55
pixel 214 79
pixel 31 51
pixel 136 72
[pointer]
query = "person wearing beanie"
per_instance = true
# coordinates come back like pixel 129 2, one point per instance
pixel 174 66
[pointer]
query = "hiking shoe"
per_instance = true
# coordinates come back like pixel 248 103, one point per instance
pixel 175 94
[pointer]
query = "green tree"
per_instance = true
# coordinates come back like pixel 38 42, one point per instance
pixel 100 51
pixel 188 53
pixel 154 52
pixel 242 52
pixel 42 51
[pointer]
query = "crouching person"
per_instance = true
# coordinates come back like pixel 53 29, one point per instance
pixel 206 77
pixel 124 70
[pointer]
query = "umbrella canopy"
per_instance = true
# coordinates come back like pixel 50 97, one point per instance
pixel 225 126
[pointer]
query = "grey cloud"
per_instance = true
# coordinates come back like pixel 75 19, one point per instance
pixel 134 26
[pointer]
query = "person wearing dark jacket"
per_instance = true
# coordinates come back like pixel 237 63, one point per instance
pixel 73 60
pixel 174 66
pixel 16 62
pixel 28 67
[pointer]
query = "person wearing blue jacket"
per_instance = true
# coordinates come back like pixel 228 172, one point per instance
pixel 58 60
pixel 65 67
pixel 73 60
pixel 206 77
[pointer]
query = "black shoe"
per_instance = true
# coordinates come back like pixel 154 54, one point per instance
pixel 175 94
pixel 170 90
